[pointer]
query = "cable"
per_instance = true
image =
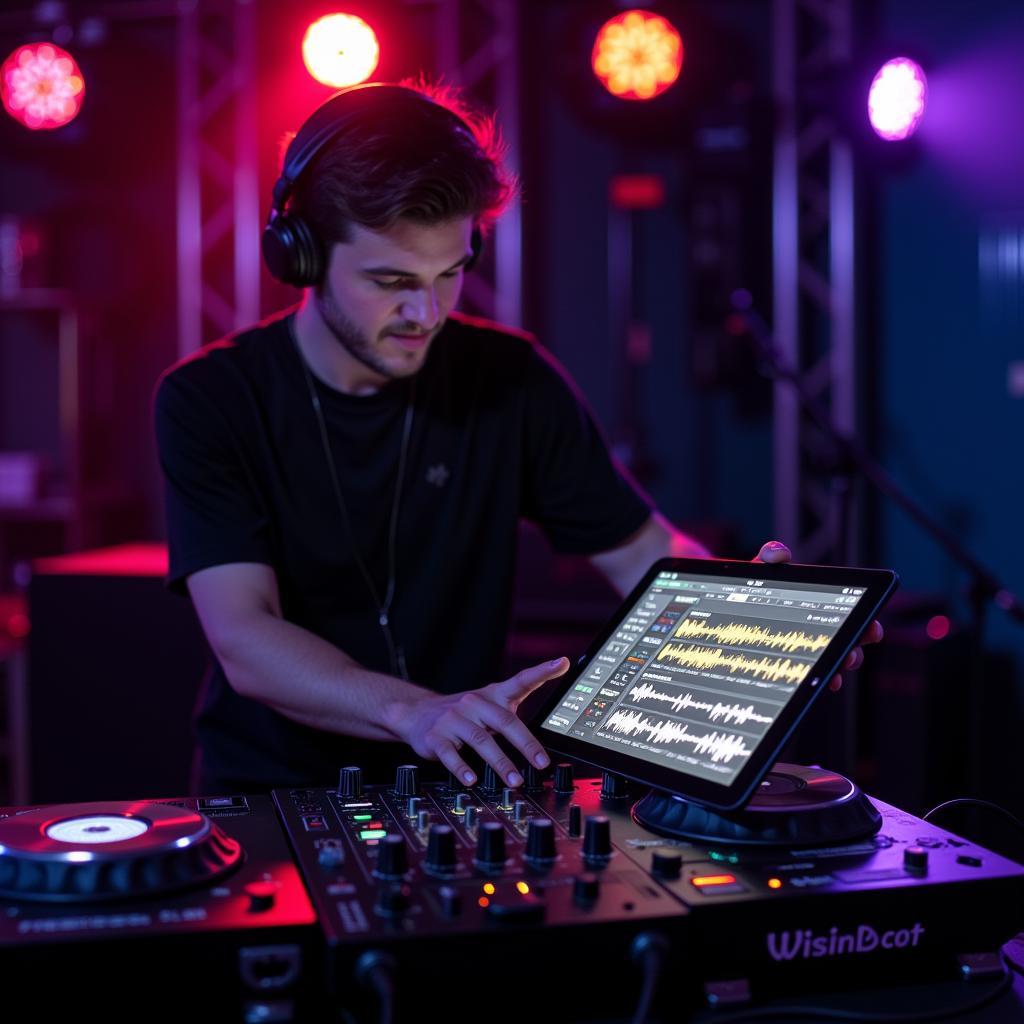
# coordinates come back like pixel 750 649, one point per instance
pixel 976 803
pixel 376 971
pixel 649 951
pixel 835 1013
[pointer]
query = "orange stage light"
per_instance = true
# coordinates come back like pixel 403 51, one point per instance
pixel 637 55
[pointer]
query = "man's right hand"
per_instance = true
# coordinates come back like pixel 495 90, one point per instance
pixel 438 726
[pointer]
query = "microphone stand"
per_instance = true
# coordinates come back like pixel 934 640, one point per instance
pixel 854 458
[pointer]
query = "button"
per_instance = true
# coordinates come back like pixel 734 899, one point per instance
pixel 971 862
pixel 585 889
pixel 666 863
pixel 915 860
pixel 451 901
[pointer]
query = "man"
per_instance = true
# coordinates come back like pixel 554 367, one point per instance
pixel 344 482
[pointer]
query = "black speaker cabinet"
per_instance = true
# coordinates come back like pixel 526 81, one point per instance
pixel 114 667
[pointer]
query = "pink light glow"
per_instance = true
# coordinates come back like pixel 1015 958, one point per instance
pixel 896 99
pixel 938 627
pixel 42 86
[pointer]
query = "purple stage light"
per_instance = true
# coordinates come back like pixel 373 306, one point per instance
pixel 897 98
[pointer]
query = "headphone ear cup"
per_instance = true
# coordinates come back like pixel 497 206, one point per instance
pixel 476 245
pixel 292 252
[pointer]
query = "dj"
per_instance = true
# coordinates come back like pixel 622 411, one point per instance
pixel 344 482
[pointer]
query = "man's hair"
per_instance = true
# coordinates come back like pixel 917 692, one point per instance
pixel 417 153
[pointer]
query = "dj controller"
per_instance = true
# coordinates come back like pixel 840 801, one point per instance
pixel 572 898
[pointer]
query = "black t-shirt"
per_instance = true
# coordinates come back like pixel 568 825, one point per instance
pixel 498 433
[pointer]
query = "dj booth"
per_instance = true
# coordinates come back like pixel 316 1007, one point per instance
pixel 580 896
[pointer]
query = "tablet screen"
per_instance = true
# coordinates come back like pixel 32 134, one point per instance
pixel 692 678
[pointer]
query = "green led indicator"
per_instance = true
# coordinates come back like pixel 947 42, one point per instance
pixel 373 833
pixel 362 817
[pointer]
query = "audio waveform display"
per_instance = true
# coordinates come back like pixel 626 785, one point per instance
pixel 737 633
pixel 720 747
pixel 709 658
pixel 715 710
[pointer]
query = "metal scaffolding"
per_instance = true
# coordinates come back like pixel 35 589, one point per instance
pixel 815 324
pixel 218 213
pixel 476 47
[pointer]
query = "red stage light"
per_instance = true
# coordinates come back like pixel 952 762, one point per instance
pixel 42 86
pixel 938 627
pixel 637 55
pixel 340 50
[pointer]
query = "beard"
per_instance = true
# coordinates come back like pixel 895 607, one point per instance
pixel 361 348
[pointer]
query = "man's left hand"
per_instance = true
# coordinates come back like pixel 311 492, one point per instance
pixel 776 551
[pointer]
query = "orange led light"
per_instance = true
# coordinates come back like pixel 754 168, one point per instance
pixel 489 888
pixel 523 888
pixel 637 55
pixel 484 902
pixel 774 883
pixel 702 880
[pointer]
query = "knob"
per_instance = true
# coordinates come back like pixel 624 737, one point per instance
pixel 331 853
pixel 506 798
pixel 413 806
pixel 490 844
pixel 575 820
pixel 597 838
pixel 392 859
pixel 585 889
pixel 472 813
pixel 441 848
pixel 262 895
pixel 350 783
pixel 563 778
pixel 533 778
pixel 540 840
pixel 462 801
pixel 519 810
pixel 491 781
pixel 454 782
pixel 423 820
pixel 407 780
pixel 451 901
pixel 915 860
pixel 613 787
pixel 393 900
pixel 666 863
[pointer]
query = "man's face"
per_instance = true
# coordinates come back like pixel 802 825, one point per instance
pixel 387 294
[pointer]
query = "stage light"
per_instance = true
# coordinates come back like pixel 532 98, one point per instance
pixel 938 627
pixel 637 55
pixel 41 86
pixel 897 98
pixel 340 50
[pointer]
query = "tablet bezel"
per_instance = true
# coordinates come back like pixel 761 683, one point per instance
pixel 878 585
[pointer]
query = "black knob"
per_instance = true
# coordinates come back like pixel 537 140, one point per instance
pixel 491 781
pixel 533 778
pixel 613 787
pixel 597 838
pixel 540 840
pixel 393 899
pixel 472 813
pixel 407 780
pixel 451 901
pixel 586 889
pixel 575 820
pixel 350 783
pixel 490 844
pixel 454 782
pixel 462 801
pixel 392 859
pixel 506 798
pixel 441 848
pixel 666 863
pixel 519 810
pixel 915 860
pixel 563 778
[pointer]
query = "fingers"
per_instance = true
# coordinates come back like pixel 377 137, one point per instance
pixel 836 683
pixel 873 634
pixel 510 692
pixel 446 752
pixel 774 551
pixel 854 659
pixel 508 724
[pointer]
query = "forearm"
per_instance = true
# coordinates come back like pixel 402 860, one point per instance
pixel 309 680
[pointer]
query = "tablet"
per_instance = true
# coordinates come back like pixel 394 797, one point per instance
pixel 705 671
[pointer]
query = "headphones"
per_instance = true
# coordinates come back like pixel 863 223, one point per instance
pixel 291 249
